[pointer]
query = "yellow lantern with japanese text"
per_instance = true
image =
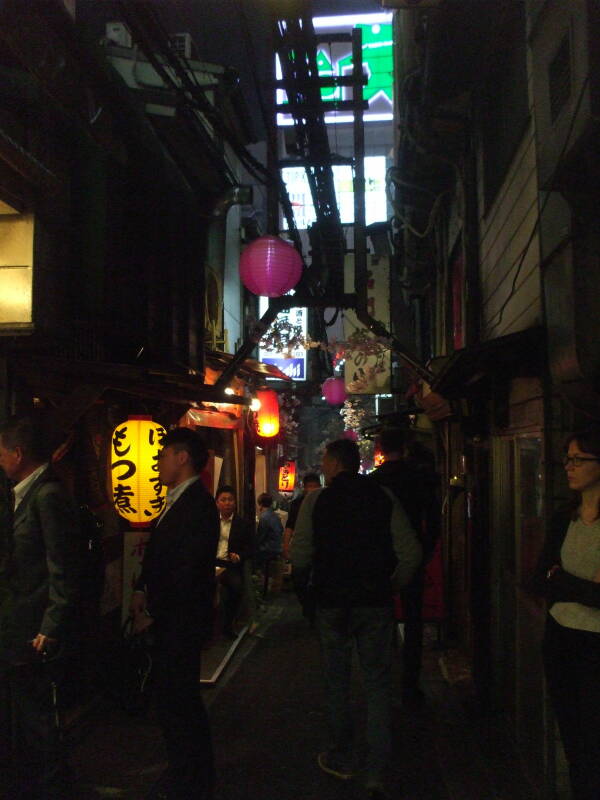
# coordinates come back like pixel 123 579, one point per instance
pixel 267 417
pixel 287 477
pixel 137 492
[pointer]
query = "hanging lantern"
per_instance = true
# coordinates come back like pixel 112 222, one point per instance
pixel 378 459
pixel 334 391
pixel 350 434
pixel 267 417
pixel 270 267
pixel 287 477
pixel 138 494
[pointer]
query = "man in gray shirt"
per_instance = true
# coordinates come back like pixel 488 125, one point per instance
pixel 359 547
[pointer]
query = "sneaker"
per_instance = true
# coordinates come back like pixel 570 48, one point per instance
pixel 336 765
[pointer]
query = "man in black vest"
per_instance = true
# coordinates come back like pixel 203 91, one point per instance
pixel 38 623
pixel 236 546
pixel 175 594
pixel 359 544
pixel 408 470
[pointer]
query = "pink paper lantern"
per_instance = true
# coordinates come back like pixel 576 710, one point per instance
pixel 334 391
pixel 270 267
pixel 350 434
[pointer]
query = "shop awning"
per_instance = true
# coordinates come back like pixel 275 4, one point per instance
pixel 74 385
pixel 514 353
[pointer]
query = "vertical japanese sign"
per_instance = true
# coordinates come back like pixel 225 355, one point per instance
pixel 368 368
pixel 287 476
pixel 138 494
pixel 293 362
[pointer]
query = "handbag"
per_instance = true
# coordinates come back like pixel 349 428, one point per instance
pixel 130 681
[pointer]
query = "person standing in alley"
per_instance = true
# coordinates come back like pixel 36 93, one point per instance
pixel 174 595
pixel 568 576
pixel 359 545
pixel 310 482
pixel 38 627
pixel 408 470
pixel 269 538
pixel 236 546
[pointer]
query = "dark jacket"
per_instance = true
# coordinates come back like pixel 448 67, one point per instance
pixel 42 567
pixel 178 571
pixel 269 533
pixel 241 540
pixel 562 587
pixel 353 550
pixel 416 487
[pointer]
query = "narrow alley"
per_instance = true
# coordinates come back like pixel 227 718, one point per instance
pixel 268 722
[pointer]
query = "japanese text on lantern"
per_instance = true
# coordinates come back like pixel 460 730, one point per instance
pixel 287 476
pixel 138 494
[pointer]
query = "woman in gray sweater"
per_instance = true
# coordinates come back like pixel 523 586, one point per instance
pixel 568 575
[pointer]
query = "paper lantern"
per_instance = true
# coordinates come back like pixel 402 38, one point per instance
pixel 267 417
pixel 270 267
pixel 334 391
pixel 350 434
pixel 138 494
pixel 287 477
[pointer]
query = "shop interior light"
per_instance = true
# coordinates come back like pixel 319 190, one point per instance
pixel 255 404
pixel 228 390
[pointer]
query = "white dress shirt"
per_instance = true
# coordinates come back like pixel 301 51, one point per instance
pixel 21 488
pixel 223 548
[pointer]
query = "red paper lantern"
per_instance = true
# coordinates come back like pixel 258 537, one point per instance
pixel 270 267
pixel 287 477
pixel 334 391
pixel 267 417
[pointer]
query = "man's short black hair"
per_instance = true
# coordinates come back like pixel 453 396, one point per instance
pixel 311 477
pixel 28 433
pixel 394 440
pixel 224 490
pixel 265 500
pixel 190 441
pixel 346 452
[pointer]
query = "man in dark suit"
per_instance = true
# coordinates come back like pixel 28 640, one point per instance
pixel 175 596
pixel 38 622
pixel 236 545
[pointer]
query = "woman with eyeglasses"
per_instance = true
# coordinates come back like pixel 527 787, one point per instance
pixel 568 575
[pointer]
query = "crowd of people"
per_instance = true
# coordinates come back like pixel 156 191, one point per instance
pixel 354 544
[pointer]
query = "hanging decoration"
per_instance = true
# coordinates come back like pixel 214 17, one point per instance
pixel 287 477
pixel 267 417
pixel 138 494
pixel 334 391
pixel 270 266
pixel 282 336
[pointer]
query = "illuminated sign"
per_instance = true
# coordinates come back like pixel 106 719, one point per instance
pixel 375 195
pixel 335 58
pixel 292 363
pixel 287 477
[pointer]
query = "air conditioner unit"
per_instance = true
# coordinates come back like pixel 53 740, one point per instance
pixel 118 33
pixel 182 44
pixel 566 86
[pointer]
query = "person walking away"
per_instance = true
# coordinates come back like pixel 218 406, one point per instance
pixel 269 535
pixel 236 546
pixel 174 595
pixel 568 576
pixel 310 483
pixel 359 544
pixel 408 470
pixel 38 628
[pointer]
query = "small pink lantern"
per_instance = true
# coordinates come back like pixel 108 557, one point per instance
pixel 334 391
pixel 350 434
pixel 270 267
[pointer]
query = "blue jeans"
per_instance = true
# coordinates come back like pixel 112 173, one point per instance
pixel 372 630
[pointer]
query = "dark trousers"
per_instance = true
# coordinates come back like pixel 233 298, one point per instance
pixel 233 582
pixel 372 631
pixel 572 665
pixel 39 770
pixel 412 649
pixel 182 715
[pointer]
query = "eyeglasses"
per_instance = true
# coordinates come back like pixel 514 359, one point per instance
pixel 576 461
